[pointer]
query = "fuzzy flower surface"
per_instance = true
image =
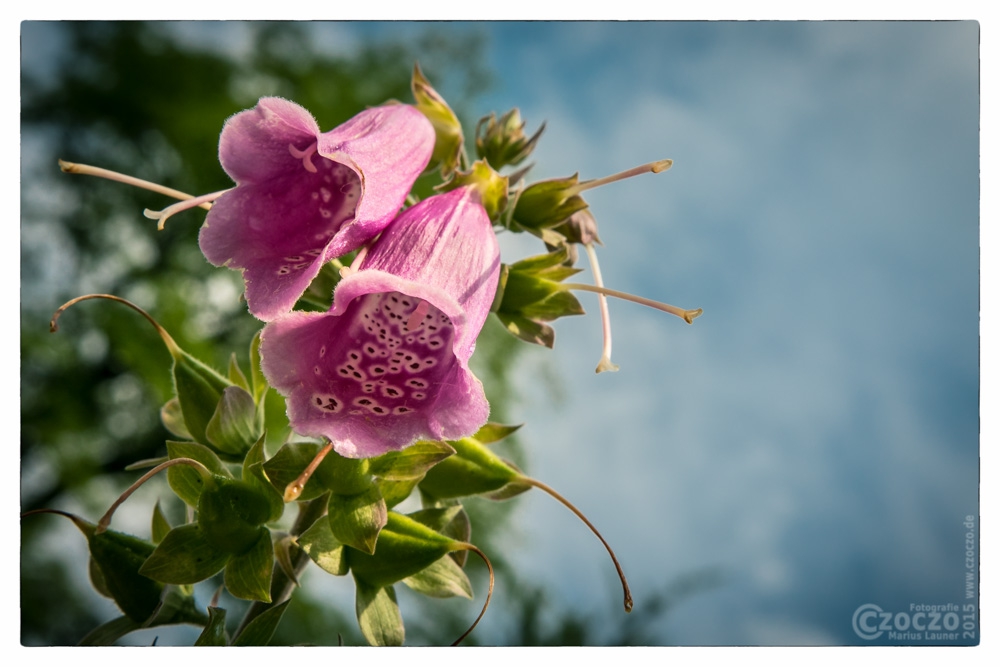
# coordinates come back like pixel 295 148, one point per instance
pixel 388 364
pixel 303 197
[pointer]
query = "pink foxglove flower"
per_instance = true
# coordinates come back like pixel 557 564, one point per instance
pixel 388 364
pixel 304 197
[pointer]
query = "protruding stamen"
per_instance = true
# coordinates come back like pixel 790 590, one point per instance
pixel 75 168
pixel 605 363
pixel 305 156
pixel 181 206
pixel 652 167
pixel 686 315
pixel 105 521
pixel 476 550
pixel 353 268
pixel 417 316
pixel 572 508
pixel 295 488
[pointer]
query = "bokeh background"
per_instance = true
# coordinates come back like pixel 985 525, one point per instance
pixel 809 445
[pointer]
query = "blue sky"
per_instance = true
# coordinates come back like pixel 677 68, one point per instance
pixel 814 436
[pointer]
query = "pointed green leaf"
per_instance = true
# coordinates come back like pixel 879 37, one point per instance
pixel 214 633
pixel 160 526
pixel 357 520
pixel 558 304
pixel 257 478
pixel 508 491
pixel 232 429
pixel 324 549
pixel 199 389
pixel 257 379
pixel 97 578
pixel 395 492
pixel 119 558
pixel 248 576
pixel 108 633
pixel 529 331
pixel 236 375
pixel 173 419
pixel 441 579
pixel 231 513
pixel 493 432
pixel 411 462
pixel 539 263
pixel 405 547
pixel 473 470
pixel 378 615
pixel 184 557
pixel 460 530
pixel 259 631
pixel 436 518
pixel 187 482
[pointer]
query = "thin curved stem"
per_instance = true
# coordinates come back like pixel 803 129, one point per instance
pixel 572 508
pixel 476 550
pixel 53 323
pixel 105 521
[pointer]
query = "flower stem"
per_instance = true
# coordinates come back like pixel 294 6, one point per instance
pixel 105 521
pixel 572 508
pixel 654 167
pixel 686 315
pixel 294 488
pixel 167 339
pixel 476 550
pixel 605 363
pixel 86 169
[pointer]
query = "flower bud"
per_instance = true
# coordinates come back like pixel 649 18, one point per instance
pixel 503 143
pixel 448 130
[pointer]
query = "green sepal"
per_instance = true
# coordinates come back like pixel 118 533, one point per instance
pixel 548 203
pixel 198 388
pixel 493 432
pixel 108 633
pixel 173 419
pixel 508 491
pixel 491 186
pixel 288 463
pixel 259 631
pixel 410 462
pixel 185 481
pixel 257 380
pixel 528 330
pixel 233 428
pixel 248 575
pixel 324 549
pixel 344 476
pixel 501 286
pixel 396 491
pixel 447 128
pixel 436 518
pixel 214 633
pixel 119 558
pixel 473 470
pixel 357 520
pixel 254 475
pixel 184 557
pixel 97 578
pixel 159 525
pixel 378 615
pixel 231 513
pixel 441 579
pixel 405 547
pixel 236 375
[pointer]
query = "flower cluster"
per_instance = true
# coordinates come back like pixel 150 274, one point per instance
pixel 377 385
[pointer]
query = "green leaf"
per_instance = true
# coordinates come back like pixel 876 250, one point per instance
pixel 248 576
pixel 441 579
pixel 214 633
pixel 493 432
pixel 160 526
pixel 529 331
pixel 411 462
pixel 395 492
pixel 378 615
pixel 233 428
pixel 119 558
pixel 173 419
pixel 236 375
pixel 257 479
pixel 405 547
pixel 323 548
pixel 259 631
pixel 184 557
pixel 199 389
pixel 473 470
pixel 108 633
pixel 357 520
pixel 558 304
pixel 256 374
pixel 436 518
pixel 288 463
pixel 508 491
pixel 97 578
pixel 231 514
pixel 187 482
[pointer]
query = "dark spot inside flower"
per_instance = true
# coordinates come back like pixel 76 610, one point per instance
pixel 401 409
pixel 378 410
pixel 343 371
pixel 415 366
pixel 391 392
pixel 364 401
pixel 378 370
pixel 357 375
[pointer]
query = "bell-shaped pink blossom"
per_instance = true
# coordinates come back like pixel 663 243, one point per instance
pixel 304 197
pixel 388 364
